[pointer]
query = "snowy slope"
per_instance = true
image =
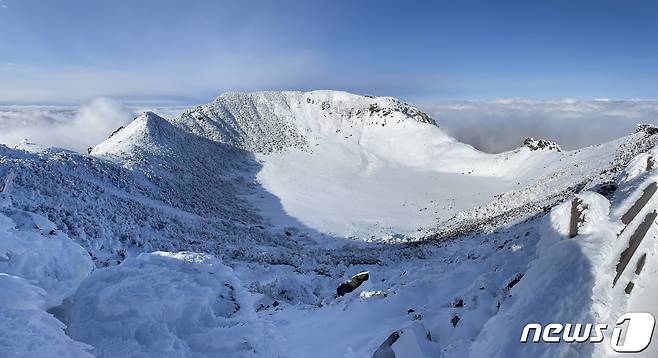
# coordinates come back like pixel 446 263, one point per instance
pixel 379 159
pixel 285 195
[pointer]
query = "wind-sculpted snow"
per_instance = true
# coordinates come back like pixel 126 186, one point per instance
pixel 168 305
pixel 31 247
pixel 26 329
pixel 39 268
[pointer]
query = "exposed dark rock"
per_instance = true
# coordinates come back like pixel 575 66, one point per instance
pixel 352 283
pixel 648 129
pixel 116 131
pixel 458 303
pixel 515 280
pixel 374 108
pixel 455 320
pixel 541 144
pixel 606 189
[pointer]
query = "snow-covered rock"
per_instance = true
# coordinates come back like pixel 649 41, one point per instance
pixel 167 305
pixel 541 144
pixel 39 268
pixel 26 329
pixel 32 248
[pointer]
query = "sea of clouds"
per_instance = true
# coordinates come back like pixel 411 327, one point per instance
pixel 491 126
pixel 69 127
pixel 500 125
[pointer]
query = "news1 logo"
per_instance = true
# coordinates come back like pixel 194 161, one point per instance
pixel 632 332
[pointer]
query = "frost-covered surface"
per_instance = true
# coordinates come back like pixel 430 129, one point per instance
pixel 39 269
pixel 33 248
pixel 167 305
pixel 285 195
pixel 26 329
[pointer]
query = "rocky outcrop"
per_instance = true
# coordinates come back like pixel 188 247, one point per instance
pixel 647 129
pixel 541 144
pixel 352 283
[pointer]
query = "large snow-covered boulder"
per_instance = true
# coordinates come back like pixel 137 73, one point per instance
pixel 32 248
pixel 39 268
pixel 26 329
pixel 166 305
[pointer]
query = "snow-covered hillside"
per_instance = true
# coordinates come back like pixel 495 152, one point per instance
pixel 226 231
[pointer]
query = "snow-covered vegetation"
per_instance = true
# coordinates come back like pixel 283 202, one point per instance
pixel 226 231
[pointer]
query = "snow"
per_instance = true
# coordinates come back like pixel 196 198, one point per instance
pixel 26 329
pixel 38 272
pixel 32 248
pixel 167 305
pixel 226 231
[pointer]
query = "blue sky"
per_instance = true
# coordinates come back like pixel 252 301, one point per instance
pixel 70 51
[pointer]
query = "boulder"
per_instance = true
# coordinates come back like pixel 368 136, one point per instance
pixel 352 283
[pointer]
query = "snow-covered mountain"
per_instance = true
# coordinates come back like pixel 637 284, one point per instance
pixel 259 205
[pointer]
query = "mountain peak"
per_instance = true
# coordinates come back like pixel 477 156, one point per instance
pixel 151 121
pixel 144 130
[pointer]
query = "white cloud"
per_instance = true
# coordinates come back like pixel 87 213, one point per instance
pixel 64 127
pixel 500 125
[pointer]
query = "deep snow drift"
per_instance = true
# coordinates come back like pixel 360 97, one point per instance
pixel 225 232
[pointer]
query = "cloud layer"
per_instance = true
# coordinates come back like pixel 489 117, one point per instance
pixel 64 127
pixel 496 126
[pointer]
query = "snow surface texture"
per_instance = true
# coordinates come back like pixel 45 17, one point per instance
pixel 167 305
pixel 288 194
pixel 38 271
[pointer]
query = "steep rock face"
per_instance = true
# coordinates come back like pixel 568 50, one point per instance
pixel 272 121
